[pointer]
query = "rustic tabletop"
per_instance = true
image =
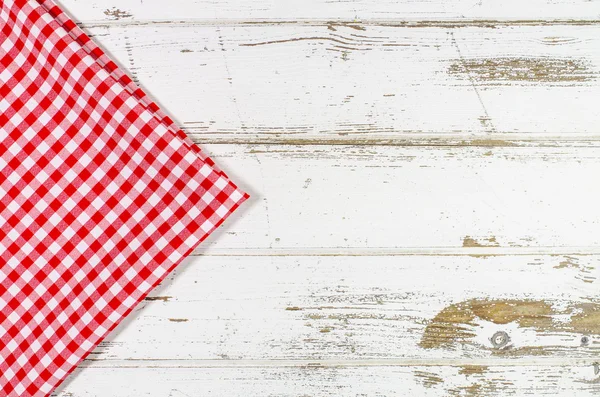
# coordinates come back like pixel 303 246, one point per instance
pixel 424 216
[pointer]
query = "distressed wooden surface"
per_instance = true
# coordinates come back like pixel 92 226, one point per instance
pixel 316 199
pixel 424 214
pixel 429 381
pixel 368 84
pixel 531 11
pixel 398 310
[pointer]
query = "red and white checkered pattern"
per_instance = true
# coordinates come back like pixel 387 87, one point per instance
pixel 101 195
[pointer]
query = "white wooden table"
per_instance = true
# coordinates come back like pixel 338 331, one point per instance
pixel 425 212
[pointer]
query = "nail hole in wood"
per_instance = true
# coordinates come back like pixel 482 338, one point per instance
pixel 500 339
pixel 585 340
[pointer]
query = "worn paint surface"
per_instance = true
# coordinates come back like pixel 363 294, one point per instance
pixel 422 223
pixel 390 200
pixel 116 14
pixel 456 324
pixel 323 315
pixel 518 70
pixel 533 12
pixel 342 382
pixel 470 242
pixel 483 86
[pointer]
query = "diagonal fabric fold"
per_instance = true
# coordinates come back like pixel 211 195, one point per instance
pixel 101 196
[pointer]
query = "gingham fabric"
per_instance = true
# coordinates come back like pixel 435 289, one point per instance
pixel 101 195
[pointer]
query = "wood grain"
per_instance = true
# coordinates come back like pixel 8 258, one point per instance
pixel 428 381
pixel 399 309
pixel 133 10
pixel 374 84
pixel 352 314
pixel 315 200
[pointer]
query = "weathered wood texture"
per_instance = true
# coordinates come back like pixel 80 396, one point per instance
pixel 370 84
pixel 389 199
pixel 463 381
pixel 400 309
pixel 532 11
pixel 383 325
pixel 424 214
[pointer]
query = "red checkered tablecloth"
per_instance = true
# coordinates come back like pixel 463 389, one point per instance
pixel 101 195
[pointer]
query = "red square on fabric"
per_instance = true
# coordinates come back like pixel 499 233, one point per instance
pixel 101 196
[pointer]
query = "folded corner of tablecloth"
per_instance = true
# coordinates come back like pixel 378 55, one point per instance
pixel 101 196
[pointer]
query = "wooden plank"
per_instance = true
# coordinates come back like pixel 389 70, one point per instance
pixel 367 84
pixel 402 200
pixel 383 310
pixel 467 381
pixel 134 10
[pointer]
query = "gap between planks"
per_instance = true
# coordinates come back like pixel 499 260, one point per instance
pixel 402 362
pixel 389 251
pixel 416 139
pixel 417 23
